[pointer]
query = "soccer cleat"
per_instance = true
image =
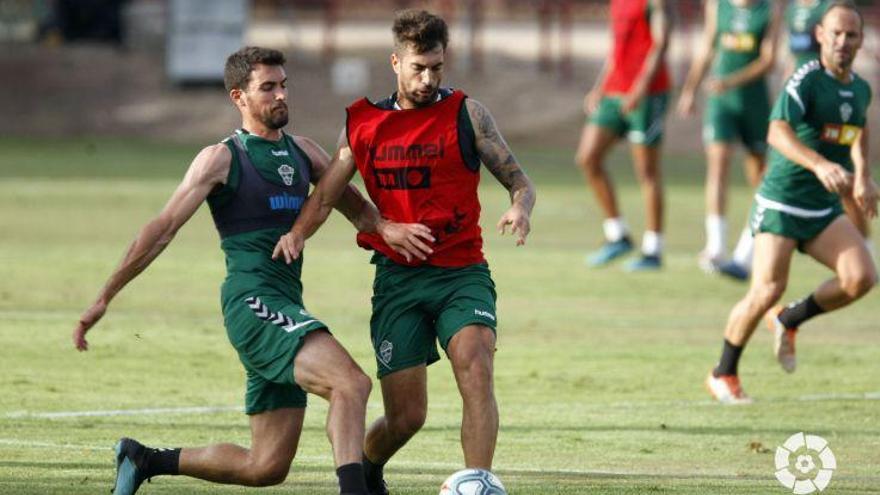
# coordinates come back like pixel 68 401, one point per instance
pixel 609 252
pixel 726 389
pixel 644 263
pixel 709 264
pixel 381 489
pixel 128 475
pixel 733 270
pixel 783 340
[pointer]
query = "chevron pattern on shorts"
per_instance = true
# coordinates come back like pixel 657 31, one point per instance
pixel 279 319
pixel 262 312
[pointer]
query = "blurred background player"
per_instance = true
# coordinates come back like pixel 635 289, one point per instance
pixel 801 19
pixel 739 43
pixel 629 99
pixel 419 153
pixel 819 138
pixel 255 182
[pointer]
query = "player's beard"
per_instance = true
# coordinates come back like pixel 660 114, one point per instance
pixel 843 59
pixel 277 116
pixel 424 97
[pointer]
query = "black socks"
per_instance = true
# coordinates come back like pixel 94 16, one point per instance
pixel 351 479
pixel 730 355
pixel 161 462
pixel 373 474
pixel 796 313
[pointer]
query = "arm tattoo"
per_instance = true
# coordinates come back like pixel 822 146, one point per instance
pixel 497 157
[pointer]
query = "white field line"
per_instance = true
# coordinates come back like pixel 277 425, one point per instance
pixel 449 466
pixel 829 397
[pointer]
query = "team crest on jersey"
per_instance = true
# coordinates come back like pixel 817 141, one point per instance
pixel 846 111
pixel 385 350
pixel 740 20
pixel 286 172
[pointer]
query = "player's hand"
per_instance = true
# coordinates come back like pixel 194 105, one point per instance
pixel 410 240
pixel 865 195
pixel 631 101
pixel 716 86
pixel 518 219
pixel 834 177
pixel 591 101
pixel 86 321
pixel 290 246
pixel 685 106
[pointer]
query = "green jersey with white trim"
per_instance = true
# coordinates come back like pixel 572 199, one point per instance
pixel 827 115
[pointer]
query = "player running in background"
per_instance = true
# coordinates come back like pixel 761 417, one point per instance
pixel 629 99
pixel 419 153
pixel 819 137
pixel 255 182
pixel 801 19
pixel 739 43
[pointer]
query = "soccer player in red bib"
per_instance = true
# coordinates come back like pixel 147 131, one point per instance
pixel 629 99
pixel 419 153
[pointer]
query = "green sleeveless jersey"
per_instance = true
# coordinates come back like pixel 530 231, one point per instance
pixel 827 116
pixel 801 21
pixel 738 37
pixel 267 184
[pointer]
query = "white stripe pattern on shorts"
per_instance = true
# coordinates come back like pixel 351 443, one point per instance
pixel 791 210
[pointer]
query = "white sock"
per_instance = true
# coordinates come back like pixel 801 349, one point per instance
pixel 716 236
pixel 614 228
pixel 652 243
pixel 742 255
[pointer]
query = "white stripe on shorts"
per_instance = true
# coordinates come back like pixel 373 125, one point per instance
pixel 791 210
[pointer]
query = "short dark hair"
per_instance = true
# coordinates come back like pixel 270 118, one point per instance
pixel 239 65
pixel 844 4
pixel 421 29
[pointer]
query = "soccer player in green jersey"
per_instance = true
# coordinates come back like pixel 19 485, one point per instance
pixel 255 183
pixel 819 138
pixel 739 43
pixel 801 18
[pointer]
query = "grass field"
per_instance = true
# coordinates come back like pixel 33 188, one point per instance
pixel 599 373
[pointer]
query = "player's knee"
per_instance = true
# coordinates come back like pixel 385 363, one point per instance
pixel 408 421
pixel 859 284
pixel 361 385
pixel 268 473
pixel 590 162
pixel 647 176
pixel 765 295
pixel 354 384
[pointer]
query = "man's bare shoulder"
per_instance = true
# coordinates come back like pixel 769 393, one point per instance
pixel 307 144
pixel 211 164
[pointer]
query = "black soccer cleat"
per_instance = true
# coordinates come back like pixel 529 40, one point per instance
pixel 129 466
pixel 382 489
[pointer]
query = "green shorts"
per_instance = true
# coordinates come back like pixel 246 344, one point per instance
pixel 414 307
pixel 724 122
pixel 795 223
pixel 644 125
pixel 268 331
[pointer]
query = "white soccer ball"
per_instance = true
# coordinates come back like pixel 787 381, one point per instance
pixel 472 482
